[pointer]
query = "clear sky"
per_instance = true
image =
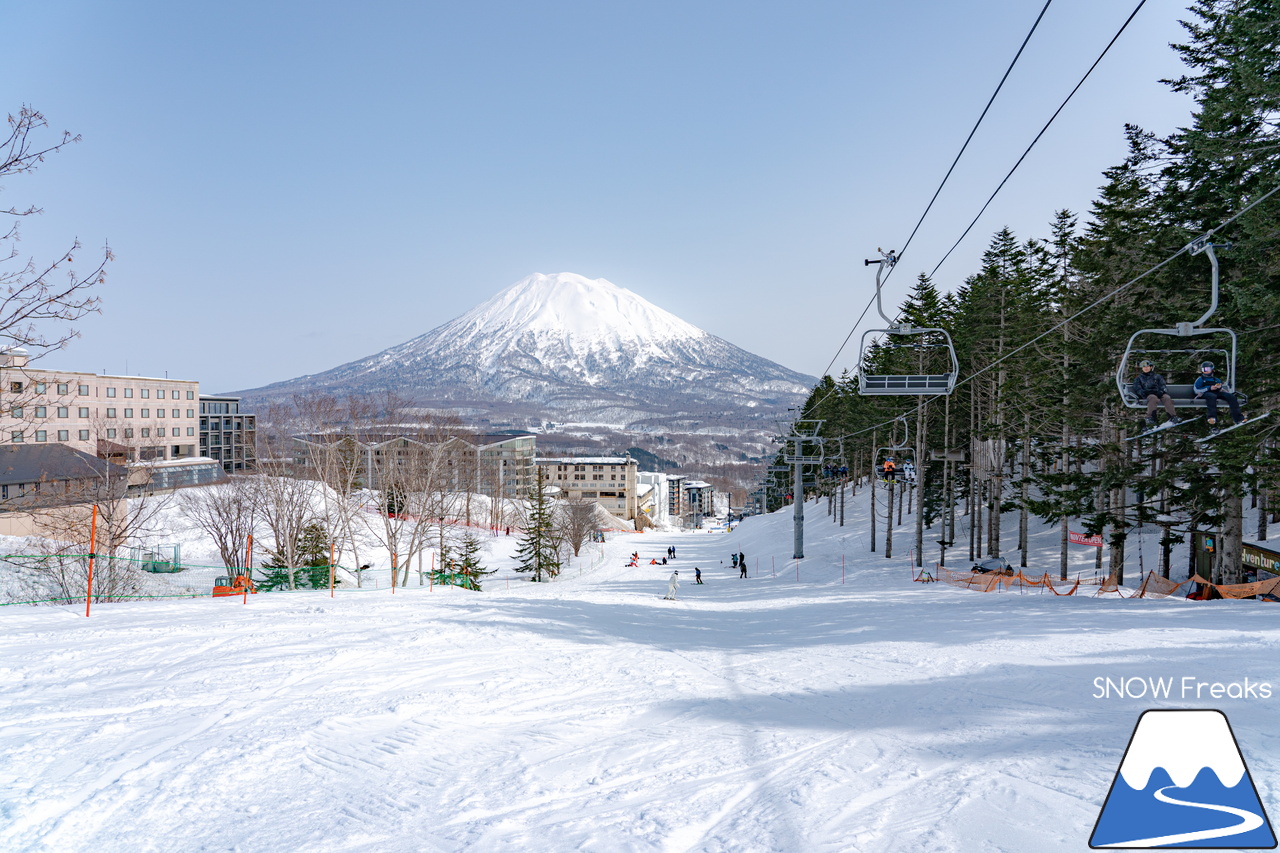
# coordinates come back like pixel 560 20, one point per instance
pixel 291 186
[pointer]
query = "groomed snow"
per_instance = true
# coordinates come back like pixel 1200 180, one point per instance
pixel 761 714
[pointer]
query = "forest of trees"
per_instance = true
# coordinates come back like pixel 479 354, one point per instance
pixel 1036 410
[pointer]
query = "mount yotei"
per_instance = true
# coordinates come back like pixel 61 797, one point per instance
pixel 568 348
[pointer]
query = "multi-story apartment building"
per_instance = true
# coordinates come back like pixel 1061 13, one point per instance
pixel 118 418
pixel 492 465
pixel 608 480
pixel 227 434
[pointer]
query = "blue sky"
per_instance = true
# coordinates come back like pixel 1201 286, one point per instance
pixel 291 186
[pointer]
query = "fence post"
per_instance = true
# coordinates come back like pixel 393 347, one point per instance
pixel 93 544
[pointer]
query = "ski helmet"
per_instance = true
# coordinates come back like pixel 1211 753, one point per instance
pixel 1206 365
pixel 1146 363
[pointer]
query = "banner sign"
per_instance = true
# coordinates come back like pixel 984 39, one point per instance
pixel 1081 539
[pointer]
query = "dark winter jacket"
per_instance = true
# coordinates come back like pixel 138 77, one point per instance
pixel 1146 384
pixel 1205 383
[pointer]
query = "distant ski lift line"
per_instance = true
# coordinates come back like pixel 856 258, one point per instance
pixel 1094 304
pixel 1105 50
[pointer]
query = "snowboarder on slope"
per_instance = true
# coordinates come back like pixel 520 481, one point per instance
pixel 742 565
pixel 672 585
pixel 1150 386
pixel 697 574
pixel 1209 388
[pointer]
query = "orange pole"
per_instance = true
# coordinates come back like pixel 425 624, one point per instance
pixel 93 544
pixel 248 567
pixel 331 570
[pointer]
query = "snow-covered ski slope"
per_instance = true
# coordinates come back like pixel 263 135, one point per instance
pixel 765 714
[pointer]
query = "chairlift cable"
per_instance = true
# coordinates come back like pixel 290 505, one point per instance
pixel 1056 112
pixel 976 125
pixel 946 177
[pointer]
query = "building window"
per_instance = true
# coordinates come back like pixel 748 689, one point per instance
pixel 128 431
pixel 191 395
pixel 128 392
pixel 41 412
pixel 83 390
pixel 111 413
pixel 177 413
pixel 146 432
pixel 64 435
pixel 159 393
pixel 84 435
pixel 111 433
pixel 64 412
pixel 111 392
pixel 64 388
pixel 191 430
pixel 146 413
pixel 128 413
pixel 159 413
pixel 597 476
pixel 41 435
pixel 160 432
pixel 191 413
pixel 16 436
pixel 84 411
pixel 15 387
pixel 17 411
pixel 146 393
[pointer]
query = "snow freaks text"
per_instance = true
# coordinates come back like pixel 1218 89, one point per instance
pixel 1185 687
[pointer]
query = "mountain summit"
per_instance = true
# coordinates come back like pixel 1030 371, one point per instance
pixel 571 348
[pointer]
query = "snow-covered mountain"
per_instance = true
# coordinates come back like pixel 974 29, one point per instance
pixel 574 348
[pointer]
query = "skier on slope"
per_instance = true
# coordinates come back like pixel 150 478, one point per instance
pixel 1209 388
pixel 1150 387
pixel 672 585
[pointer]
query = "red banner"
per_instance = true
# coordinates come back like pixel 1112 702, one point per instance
pixel 1081 539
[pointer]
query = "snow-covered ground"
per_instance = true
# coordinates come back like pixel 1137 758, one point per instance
pixel 772 713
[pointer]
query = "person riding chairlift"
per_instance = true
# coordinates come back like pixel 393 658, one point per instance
pixel 890 470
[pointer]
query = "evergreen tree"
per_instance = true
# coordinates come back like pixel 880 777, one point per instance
pixel 538 551
pixel 313 557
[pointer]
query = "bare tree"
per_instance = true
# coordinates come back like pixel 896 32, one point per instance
pixel 34 294
pixel 577 521
pixel 228 513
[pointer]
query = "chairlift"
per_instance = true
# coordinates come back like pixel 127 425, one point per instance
pixel 1184 394
pixel 896 452
pixel 901 335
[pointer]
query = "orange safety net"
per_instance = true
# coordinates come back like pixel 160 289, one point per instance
pixel 1158 587
pixel 995 582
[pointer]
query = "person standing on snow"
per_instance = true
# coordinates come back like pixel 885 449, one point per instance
pixel 672 586
pixel 735 560
pixel 742 565
pixel 697 574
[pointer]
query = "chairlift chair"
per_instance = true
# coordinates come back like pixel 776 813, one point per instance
pixel 898 335
pixel 1183 395
pixel 898 450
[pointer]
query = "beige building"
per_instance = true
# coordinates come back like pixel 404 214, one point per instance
pixel 120 418
pixel 608 480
